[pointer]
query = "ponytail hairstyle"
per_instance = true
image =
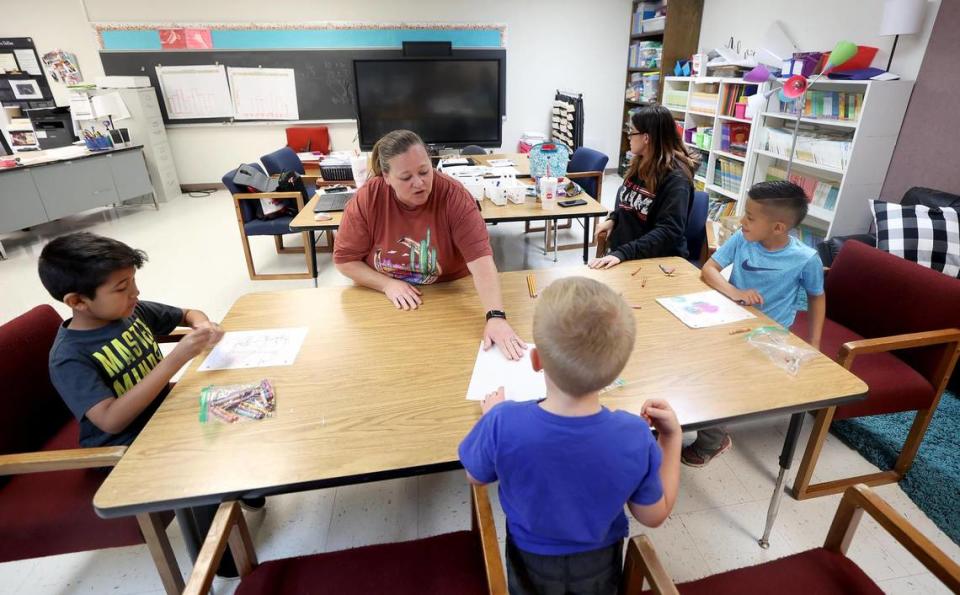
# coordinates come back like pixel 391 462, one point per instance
pixel 389 146
pixel 667 150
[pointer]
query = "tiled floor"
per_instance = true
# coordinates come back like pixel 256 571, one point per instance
pixel 196 261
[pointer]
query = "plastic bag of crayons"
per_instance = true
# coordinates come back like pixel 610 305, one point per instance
pixel 772 340
pixel 237 402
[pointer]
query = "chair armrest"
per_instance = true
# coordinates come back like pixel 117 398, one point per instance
pixel 228 526
pixel 583 174
pixel 860 498
pixel 642 563
pixel 851 349
pixel 711 244
pixel 484 525
pixel 60 460
pixel 259 195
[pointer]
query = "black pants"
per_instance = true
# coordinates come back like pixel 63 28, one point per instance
pixel 595 572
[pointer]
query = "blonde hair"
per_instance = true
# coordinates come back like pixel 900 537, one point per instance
pixel 584 333
pixel 389 146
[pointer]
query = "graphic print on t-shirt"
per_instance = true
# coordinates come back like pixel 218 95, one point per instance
pixel 636 198
pixel 414 262
pixel 128 358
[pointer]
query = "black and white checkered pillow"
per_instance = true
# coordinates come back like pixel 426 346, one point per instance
pixel 926 235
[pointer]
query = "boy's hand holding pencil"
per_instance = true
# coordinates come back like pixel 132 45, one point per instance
pixel 662 416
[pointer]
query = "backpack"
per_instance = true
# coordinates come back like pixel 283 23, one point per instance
pixel 287 181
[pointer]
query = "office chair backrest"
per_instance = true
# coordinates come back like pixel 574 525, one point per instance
pixel 585 159
pixel 281 160
pixel 695 231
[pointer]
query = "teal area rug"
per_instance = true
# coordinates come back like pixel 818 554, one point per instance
pixel 933 482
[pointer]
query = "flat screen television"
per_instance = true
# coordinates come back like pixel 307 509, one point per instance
pixel 453 102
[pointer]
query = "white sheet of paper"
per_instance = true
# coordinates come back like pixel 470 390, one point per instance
pixel 493 370
pixel 497 172
pixel 263 93
pixel 195 91
pixel 704 309
pixel 256 349
pixel 8 63
pixel 28 62
pixel 500 163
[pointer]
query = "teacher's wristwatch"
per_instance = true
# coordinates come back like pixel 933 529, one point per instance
pixel 496 314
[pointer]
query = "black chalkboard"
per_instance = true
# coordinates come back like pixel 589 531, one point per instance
pixel 324 78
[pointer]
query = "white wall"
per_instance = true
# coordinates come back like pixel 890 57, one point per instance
pixel 550 44
pixel 815 25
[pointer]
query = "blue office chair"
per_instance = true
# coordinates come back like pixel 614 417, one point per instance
pixel 247 206
pixel 696 229
pixel 281 160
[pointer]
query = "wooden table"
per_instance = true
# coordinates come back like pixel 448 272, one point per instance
pixel 521 161
pixel 528 211
pixel 378 393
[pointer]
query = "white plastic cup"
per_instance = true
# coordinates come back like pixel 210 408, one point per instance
pixel 548 193
pixel 360 166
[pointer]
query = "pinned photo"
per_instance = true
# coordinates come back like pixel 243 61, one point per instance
pixel 26 89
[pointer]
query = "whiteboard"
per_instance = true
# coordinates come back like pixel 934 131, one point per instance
pixel 263 93
pixel 195 91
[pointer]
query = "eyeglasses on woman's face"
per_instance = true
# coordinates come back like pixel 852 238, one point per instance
pixel 630 132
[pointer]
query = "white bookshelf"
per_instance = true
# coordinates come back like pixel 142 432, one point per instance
pixel 874 135
pixel 677 95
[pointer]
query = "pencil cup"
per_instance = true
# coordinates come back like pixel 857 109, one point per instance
pixel 548 193
pixel 475 187
pixel 516 194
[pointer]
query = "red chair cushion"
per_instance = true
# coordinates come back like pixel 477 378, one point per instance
pixel 450 563
pixel 893 385
pixel 32 409
pixel 815 572
pixel 318 137
pixel 44 514
pixel 876 294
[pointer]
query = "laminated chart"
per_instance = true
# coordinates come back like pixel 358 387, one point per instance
pixel 195 92
pixel 263 93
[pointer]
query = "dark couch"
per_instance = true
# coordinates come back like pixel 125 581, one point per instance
pixel 917 195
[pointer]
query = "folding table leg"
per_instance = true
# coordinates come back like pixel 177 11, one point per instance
pixel 155 535
pixel 786 460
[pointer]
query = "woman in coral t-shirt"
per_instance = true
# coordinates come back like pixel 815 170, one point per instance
pixel 409 225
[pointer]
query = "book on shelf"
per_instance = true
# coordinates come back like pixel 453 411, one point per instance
pixel 731 174
pixel 676 98
pixel 808 235
pixel 734 137
pixel 820 147
pixel 734 94
pixel 827 105
pixel 820 193
pixel 645 54
pixel 720 207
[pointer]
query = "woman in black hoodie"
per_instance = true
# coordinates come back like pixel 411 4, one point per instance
pixel 651 211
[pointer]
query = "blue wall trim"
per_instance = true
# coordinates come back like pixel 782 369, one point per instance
pixel 245 39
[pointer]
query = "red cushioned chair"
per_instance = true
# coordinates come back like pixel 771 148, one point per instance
pixel 465 562
pixel 823 571
pixel 309 138
pixel 896 325
pixel 47 483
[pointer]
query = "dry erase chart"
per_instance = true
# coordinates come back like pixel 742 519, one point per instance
pixel 195 91
pixel 704 309
pixel 256 349
pixel 493 370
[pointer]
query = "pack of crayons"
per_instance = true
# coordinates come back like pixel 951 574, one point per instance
pixel 238 402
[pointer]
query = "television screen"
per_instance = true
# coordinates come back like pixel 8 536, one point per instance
pixel 449 101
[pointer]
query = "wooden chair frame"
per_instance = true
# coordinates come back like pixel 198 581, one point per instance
pixel 547 228
pixel 278 240
pixel 950 339
pixel 151 524
pixel 229 527
pixel 642 563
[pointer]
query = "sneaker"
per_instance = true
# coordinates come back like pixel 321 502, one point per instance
pixel 695 457
pixel 253 504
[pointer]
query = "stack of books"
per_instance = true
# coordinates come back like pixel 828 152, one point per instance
pixel 734 137
pixel 830 105
pixel 703 102
pixel 820 193
pixel 729 173
pixel 830 149
pixel 675 98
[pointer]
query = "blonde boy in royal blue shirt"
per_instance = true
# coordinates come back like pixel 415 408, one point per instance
pixel 567 465
pixel 769 269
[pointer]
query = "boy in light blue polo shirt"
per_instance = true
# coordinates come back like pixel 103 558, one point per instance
pixel 566 464
pixel 769 268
